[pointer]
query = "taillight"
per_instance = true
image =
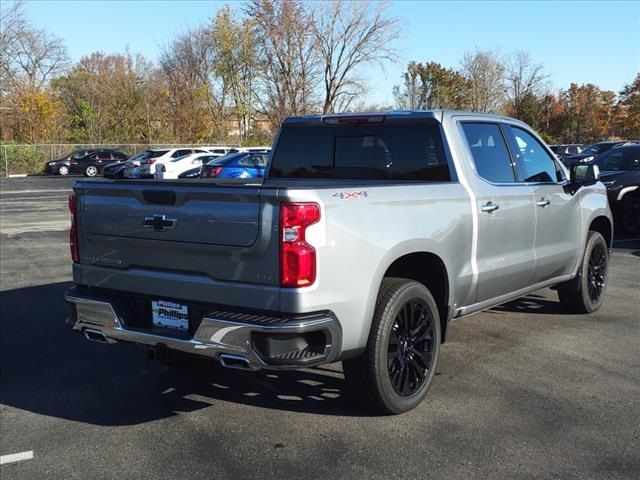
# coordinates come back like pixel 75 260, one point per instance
pixel 151 161
pixel 73 231
pixel 216 171
pixel 297 257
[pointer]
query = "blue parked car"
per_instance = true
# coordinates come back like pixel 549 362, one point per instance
pixel 237 165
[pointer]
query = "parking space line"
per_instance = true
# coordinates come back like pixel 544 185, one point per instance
pixel 16 457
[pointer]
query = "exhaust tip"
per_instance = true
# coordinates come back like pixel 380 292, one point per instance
pixel 96 336
pixel 234 361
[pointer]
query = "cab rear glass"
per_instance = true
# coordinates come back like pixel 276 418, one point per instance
pixel 387 151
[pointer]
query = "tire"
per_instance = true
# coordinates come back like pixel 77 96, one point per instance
pixel 90 171
pixel 389 377
pixel 585 294
pixel 63 170
pixel 629 214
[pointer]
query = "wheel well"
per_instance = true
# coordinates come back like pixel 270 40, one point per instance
pixel 428 269
pixel 603 226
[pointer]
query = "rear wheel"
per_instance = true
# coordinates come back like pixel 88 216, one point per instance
pixel 395 372
pixel 586 293
pixel 63 170
pixel 91 171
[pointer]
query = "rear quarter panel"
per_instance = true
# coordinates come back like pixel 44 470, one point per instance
pixel 359 237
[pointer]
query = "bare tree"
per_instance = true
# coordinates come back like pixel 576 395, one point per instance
pixel 350 35
pixel 287 57
pixel 523 79
pixel 485 72
pixel 39 55
pixel 13 24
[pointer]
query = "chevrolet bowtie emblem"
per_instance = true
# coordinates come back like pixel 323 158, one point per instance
pixel 159 222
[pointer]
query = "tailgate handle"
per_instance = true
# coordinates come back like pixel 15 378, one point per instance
pixel 159 197
pixel 159 222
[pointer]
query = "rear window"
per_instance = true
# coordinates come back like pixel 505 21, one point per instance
pixel 394 151
pixel 156 153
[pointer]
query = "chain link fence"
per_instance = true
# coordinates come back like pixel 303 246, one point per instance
pixel 30 159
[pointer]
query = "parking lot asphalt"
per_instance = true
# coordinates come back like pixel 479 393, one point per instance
pixel 522 391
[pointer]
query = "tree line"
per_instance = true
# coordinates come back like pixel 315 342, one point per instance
pixel 239 74
pixel 517 86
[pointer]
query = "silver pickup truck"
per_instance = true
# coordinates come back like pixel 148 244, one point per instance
pixel 368 234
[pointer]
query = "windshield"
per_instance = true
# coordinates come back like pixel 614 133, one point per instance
pixel 592 150
pixel 156 153
pixel 79 154
pixel 140 156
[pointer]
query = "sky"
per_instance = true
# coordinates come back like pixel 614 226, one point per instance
pixel 577 41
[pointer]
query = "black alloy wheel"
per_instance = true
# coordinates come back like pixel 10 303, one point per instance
pixel 410 351
pixel 597 272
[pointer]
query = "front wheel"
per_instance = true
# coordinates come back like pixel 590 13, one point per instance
pixel 394 373
pixel 63 170
pixel 91 171
pixel 586 293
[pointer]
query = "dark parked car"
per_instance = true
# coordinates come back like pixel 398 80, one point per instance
pixel 87 162
pixel 620 172
pixel 567 150
pixel 591 152
pixel 237 165
pixel 91 165
pixel 61 166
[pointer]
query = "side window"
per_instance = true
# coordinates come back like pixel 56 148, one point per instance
pixel 489 152
pixel 533 163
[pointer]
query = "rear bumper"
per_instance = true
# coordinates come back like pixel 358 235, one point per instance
pixel 232 338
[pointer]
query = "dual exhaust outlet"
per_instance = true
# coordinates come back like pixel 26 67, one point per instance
pixel 226 359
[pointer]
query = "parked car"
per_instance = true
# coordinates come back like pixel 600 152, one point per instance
pixel 61 166
pixel 116 170
pixel 566 150
pixel 591 152
pixel 620 172
pixel 237 165
pixel 145 167
pixel 174 168
pixel 87 162
pixel 368 233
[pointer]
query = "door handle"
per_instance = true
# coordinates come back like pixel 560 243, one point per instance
pixel 543 202
pixel 490 207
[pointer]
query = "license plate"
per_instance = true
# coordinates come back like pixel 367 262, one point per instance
pixel 170 315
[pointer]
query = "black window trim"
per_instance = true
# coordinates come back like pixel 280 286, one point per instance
pixel 501 125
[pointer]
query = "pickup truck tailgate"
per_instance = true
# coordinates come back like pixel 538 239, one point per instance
pixel 226 233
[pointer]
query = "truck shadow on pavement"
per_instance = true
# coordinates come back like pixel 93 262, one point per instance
pixel 51 370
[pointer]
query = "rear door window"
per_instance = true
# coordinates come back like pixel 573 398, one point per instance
pixel 489 152
pixel 393 151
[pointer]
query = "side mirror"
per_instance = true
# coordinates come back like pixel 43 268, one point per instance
pixel 584 174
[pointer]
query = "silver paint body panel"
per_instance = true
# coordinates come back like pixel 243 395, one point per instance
pixel 224 249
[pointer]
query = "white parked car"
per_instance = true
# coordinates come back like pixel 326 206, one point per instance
pixel 172 169
pixel 145 167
